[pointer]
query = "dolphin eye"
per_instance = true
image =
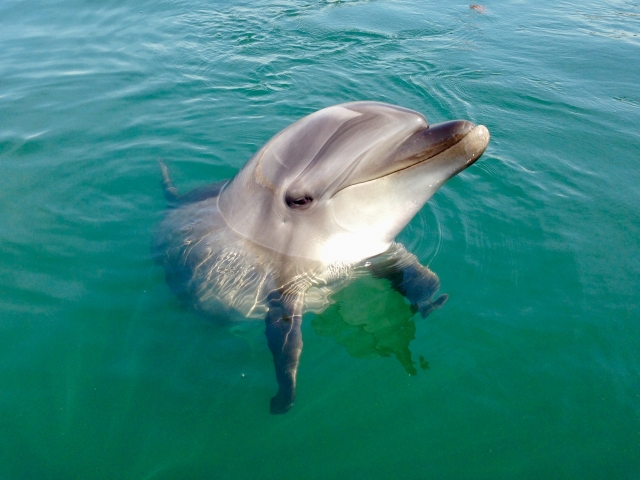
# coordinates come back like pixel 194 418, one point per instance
pixel 299 203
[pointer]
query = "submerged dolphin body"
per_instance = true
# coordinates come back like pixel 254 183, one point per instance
pixel 317 205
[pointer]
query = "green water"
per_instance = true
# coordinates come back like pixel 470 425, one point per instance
pixel 530 370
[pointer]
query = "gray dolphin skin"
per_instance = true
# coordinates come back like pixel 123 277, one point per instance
pixel 318 205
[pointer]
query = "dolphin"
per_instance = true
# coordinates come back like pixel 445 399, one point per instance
pixel 319 204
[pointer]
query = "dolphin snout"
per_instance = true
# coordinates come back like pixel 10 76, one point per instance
pixel 441 136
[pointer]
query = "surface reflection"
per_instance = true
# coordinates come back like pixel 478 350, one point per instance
pixel 372 320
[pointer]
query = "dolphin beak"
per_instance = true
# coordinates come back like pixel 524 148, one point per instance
pixel 429 142
pixel 449 147
pixel 421 146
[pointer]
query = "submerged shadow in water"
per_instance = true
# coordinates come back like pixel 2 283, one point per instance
pixel 371 320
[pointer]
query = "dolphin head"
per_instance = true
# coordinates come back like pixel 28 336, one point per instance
pixel 341 183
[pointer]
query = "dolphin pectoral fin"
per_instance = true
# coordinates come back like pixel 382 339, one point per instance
pixel 429 306
pixel 284 337
pixel 169 190
pixel 419 285
pixel 415 281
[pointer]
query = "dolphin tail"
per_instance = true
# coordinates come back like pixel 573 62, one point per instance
pixel 169 190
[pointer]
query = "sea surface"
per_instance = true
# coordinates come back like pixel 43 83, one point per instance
pixel 531 370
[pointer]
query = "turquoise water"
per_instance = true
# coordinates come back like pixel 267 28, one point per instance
pixel 530 370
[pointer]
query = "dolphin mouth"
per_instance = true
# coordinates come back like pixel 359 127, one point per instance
pixel 436 141
pixel 429 142
pixel 453 145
